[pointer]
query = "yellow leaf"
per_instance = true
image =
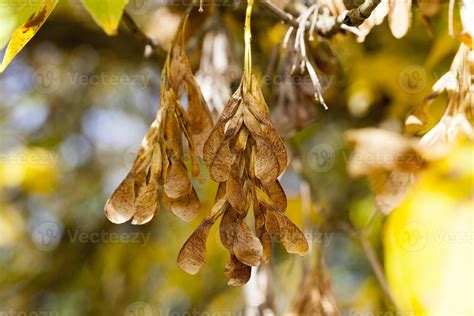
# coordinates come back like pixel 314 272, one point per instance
pixel 24 33
pixel 106 13
pixel 428 241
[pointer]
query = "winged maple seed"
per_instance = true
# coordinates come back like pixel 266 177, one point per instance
pixel 159 164
pixel 245 155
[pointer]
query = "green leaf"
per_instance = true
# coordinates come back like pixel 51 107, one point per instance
pixel 106 13
pixel 28 28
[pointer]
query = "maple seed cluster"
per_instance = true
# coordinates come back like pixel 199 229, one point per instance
pixel 245 154
pixel 159 163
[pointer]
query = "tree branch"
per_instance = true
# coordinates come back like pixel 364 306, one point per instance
pixel 357 16
pixel 354 17
pixel 135 29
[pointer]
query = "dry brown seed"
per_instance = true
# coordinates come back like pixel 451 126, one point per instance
pixel 235 192
pixel 146 203
pixel 229 222
pixel 213 143
pixel 272 225
pixel 199 116
pixel 266 163
pixel 252 124
pixel 277 196
pixel 144 154
pixel 263 198
pixel 231 107
pixel 222 163
pixel 177 183
pixel 240 142
pixel 247 247
pixel 221 191
pixel 237 272
pixel 290 236
pixel 121 205
pixel 262 233
pixel 186 207
pixel 192 255
pixel 271 135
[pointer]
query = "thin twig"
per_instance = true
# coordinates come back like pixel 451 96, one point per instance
pixel 376 266
pixel 354 17
pixel 137 31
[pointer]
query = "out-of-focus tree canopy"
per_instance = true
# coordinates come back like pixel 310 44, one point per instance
pixel 372 101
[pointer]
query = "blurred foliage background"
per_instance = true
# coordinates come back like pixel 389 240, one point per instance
pixel 75 105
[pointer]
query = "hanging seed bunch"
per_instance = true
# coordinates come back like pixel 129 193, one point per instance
pixel 458 82
pixel 245 155
pixel 159 165
pixel 295 40
pixel 294 100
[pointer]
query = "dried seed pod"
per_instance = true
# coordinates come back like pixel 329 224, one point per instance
pixel 245 155
pixel 159 164
pixel 237 272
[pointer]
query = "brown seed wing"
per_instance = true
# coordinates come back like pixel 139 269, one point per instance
pixel 277 195
pixel 146 203
pixel 212 145
pixel 177 183
pixel 120 208
pixel 235 192
pixel 247 247
pixel 144 154
pixel 266 163
pixel 291 237
pixel 187 207
pixel 236 272
pixel 262 233
pixel 230 220
pixel 222 163
pixel 192 255
pixel 199 116
pixel 271 135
